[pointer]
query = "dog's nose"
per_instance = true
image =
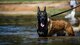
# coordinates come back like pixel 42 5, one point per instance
pixel 41 18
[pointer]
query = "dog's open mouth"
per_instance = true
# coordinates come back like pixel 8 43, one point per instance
pixel 42 25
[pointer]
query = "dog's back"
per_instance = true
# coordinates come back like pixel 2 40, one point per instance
pixel 59 25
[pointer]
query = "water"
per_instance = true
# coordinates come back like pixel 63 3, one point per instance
pixel 27 35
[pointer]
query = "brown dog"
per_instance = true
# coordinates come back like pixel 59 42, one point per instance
pixel 55 26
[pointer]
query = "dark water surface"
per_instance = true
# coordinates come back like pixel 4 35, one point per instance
pixel 27 35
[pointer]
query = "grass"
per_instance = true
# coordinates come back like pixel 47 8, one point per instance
pixel 32 0
pixel 18 20
pixel 16 1
pixel 52 11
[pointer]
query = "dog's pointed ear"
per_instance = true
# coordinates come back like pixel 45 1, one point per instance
pixel 38 9
pixel 45 8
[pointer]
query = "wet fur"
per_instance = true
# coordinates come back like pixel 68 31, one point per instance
pixel 55 26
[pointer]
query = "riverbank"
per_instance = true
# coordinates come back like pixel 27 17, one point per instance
pixel 31 7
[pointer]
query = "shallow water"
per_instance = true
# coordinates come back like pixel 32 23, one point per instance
pixel 27 35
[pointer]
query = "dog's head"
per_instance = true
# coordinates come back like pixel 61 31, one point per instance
pixel 42 17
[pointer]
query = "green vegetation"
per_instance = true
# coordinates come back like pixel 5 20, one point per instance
pixel 32 0
pixel 54 11
pixel 18 20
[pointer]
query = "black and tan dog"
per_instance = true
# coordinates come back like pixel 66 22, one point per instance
pixel 48 27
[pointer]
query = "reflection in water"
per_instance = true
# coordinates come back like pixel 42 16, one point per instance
pixel 23 35
pixel 18 30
